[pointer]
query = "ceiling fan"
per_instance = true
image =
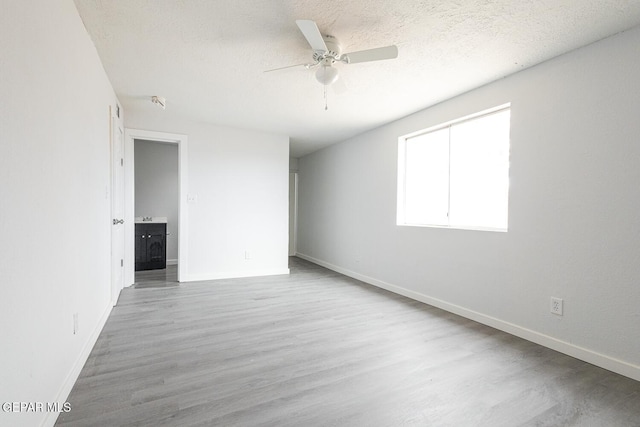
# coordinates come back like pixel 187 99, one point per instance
pixel 327 51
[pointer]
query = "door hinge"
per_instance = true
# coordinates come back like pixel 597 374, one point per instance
pixel 121 263
pixel 121 162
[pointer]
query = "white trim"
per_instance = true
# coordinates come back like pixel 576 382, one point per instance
pixel 292 250
pixel 68 383
pixel 237 274
pixel 607 362
pixel 172 262
pixel 463 119
pixel 183 173
pixel 455 227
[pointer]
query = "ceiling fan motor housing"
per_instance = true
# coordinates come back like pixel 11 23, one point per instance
pixel 334 50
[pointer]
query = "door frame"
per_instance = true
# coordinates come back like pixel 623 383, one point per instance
pixel 173 138
pixel 293 213
pixel 117 194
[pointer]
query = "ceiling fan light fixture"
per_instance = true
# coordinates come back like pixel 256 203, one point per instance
pixel 326 75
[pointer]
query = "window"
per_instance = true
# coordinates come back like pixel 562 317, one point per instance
pixel 456 174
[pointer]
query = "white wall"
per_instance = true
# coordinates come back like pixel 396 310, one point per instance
pixel 240 178
pixel 293 164
pixel 156 187
pixel 55 202
pixel 574 211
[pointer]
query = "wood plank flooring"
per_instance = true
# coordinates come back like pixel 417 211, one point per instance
pixel 157 278
pixel 316 348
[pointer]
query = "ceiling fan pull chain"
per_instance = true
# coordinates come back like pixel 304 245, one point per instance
pixel 325 99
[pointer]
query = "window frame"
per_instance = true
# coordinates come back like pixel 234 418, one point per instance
pixel 402 158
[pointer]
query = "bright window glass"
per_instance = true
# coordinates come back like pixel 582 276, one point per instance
pixel 457 175
pixel 424 174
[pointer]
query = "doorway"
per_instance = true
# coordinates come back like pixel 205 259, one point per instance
pixel 179 263
pixel 156 212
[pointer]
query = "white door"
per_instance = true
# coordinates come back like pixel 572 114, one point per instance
pixel 117 210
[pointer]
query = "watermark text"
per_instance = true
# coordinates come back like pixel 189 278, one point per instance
pixel 36 407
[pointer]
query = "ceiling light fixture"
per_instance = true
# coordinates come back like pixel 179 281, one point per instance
pixel 326 74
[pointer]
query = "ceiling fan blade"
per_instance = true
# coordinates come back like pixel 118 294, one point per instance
pixel 289 66
pixel 377 54
pixel 312 34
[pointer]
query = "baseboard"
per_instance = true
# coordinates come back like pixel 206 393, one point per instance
pixel 584 354
pixel 236 274
pixel 72 376
pixel 172 262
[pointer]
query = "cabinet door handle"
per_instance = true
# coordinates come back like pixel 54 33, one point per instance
pixel 143 236
pixel 149 236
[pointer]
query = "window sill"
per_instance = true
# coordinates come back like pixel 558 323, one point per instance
pixel 456 227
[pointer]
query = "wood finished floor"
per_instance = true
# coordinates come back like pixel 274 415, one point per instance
pixel 319 349
pixel 157 278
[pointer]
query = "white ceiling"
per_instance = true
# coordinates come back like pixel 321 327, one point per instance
pixel 207 57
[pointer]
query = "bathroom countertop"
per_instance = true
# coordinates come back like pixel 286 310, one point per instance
pixel 151 220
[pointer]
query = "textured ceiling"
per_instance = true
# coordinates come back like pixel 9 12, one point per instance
pixel 207 57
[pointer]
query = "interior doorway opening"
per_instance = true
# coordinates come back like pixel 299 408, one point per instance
pixel 147 214
pixel 156 213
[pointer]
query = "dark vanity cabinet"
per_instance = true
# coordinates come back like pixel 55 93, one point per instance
pixel 151 248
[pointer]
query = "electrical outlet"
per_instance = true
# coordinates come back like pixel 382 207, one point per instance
pixel 556 306
pixel 247 255
pixel 75 323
